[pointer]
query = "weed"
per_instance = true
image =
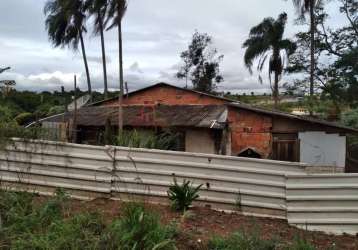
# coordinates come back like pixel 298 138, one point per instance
pixel 139 229
pixel 300 244
pixel 241 240
pixel 183 195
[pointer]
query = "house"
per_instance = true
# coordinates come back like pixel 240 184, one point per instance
pixel 211 124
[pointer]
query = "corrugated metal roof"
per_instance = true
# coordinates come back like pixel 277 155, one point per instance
pixel 291 116
pixel 208 116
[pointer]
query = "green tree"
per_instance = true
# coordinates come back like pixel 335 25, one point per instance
pixel 65 24
pixel 98 9
pixel 201 63
pixel 266 42
pixel 115 14
pixel 336 53
pixel 303 7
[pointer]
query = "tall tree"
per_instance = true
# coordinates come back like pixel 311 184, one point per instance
pixel 201 63
pixel 336 56
pixel 303 7
pixel 65 24
pixel 116 11
pixel 98 9
pixel 266 41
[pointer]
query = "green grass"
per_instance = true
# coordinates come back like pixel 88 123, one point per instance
pixel 23 226
pixel 242 241
pixel 26 224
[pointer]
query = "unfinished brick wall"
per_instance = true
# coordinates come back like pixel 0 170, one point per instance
pixel 250 129
pixel 168 96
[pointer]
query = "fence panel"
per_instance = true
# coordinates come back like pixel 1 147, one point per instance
pixel 325 202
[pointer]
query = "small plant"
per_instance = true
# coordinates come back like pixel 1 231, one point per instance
pixel 183 195
pixel 241 240
pixel 139 229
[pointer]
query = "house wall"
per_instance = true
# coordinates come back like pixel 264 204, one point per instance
pixel 250 129
pixel 199 141
pixel 321 149
pixel 168 96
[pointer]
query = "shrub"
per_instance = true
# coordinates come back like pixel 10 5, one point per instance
pixel 350 118
pixel 139 229
pixel 183 195
pixel 140 139
pixel 241 240
pixel 24 118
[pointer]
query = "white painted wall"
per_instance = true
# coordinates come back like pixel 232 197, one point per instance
pixel 321 149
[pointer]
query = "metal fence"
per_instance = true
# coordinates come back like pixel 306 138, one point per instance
pixel 259 187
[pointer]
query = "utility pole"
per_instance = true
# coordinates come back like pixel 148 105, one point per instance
pixel 74 123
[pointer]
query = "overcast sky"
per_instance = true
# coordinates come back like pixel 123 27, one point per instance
pixel 155 32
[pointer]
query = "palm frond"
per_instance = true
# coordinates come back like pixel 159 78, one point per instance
pixel 115 13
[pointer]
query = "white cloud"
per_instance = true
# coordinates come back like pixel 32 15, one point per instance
pixel 154 34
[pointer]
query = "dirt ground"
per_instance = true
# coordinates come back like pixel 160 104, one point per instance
pixel 200 224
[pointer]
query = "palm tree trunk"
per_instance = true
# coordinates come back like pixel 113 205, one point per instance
pixel 105 81
pixel 312 31
pixel 275 90
pixel 121 88
pixel 86 66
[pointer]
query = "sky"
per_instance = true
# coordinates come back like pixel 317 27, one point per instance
pixel 155 32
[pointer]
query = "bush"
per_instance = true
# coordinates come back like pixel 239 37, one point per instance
pixel 183 195
pixel 25 118
pixel 350 118
pixel 12 129
pixel 143 139
pixel 241 240
pixel 139 229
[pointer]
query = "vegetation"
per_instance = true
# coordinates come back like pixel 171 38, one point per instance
pixel 165 140
pixel 266 42
pixel 28 221
pixel 115 14
pixel 66 24
pixel 139 229
pixel 335 52
pixel 27 225
pixel 183 195
pixel 201 64
pixel 242 240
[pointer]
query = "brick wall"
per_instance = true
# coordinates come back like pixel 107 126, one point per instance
pixel 169 96
pixel 249 129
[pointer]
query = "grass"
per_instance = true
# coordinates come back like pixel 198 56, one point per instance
pixel 27 224
pixel 242 241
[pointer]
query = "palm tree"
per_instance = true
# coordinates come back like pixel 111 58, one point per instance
pixel 265 41
pixel 98 9
pixel 303 7
pixel 116 11
pixel 65 24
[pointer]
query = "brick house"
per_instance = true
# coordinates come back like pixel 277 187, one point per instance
pixel 212 124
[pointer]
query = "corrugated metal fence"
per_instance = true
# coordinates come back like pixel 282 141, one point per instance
pixel 261 187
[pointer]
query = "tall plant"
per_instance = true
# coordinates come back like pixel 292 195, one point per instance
pixel 266 42
pixel 116 11
pixel 98 9
pixel 65 24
